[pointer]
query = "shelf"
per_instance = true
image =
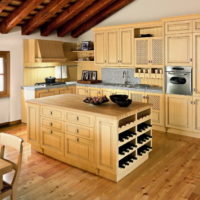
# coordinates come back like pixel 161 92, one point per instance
pixel 126 127
pixel 84 61
pixel 126 141
pixel 144 131
pixel 126 154
pixel 88 51
pixel 144 143
pixel 143 119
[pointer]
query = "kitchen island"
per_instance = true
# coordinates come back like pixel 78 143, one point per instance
pixel 107 140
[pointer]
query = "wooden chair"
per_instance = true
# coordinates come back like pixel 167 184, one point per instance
pixel 7 140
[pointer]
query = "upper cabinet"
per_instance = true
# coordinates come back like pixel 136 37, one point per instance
pixel 149 52
pixel 177 27
pixel 178 49
pixel 114 47
pixel 196 64
pixel 44 53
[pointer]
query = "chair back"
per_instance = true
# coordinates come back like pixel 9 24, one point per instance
pixel 11 141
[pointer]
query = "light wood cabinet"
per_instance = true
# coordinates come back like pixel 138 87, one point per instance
pixel 157 102
pixel 94 92
pixel 52 140
pixel 177 27
pixel 196 25
pixel 81 90
pixel 114 47
pixel 45 93
pixel 179 112
pixel 178 50
pixel 33 127
pixel 149 52
pixel 107 92
pixel 196 114
pixel 100 48
pixel 196 64
pixel 79 149
pixel 68 90
pixel 106 150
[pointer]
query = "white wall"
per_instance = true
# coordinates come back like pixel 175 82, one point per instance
pixel 148 10
pixel 10 108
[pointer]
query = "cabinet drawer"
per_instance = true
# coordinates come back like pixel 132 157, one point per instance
pixel 78 148
pixel 67 90
pixel 53 124
pixel 80 131
pixel 52 113
pixel 52 140
pixel 178 27
pixel 80 119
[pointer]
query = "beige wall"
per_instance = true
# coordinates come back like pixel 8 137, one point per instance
pixel 10 108
pixel 148 10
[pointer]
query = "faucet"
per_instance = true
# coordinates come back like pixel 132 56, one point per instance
pixel 125 77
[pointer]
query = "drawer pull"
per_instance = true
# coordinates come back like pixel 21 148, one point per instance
pixel 77 139
pixel 51 132
pixel 77 130
pixel 51 113
pixel 51 124
pixel 77 118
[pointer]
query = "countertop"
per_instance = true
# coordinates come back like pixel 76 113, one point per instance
pixel 75 102
pixel 99 85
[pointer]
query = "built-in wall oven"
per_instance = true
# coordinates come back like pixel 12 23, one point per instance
pixel 178 80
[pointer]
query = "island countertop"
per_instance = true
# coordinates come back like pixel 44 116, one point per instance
pixel 75 102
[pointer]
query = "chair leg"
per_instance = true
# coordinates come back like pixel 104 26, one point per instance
pixel 13 195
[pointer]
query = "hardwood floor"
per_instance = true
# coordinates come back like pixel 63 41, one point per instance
pixel 172 172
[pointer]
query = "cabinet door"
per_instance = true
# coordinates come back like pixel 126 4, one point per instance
pixel 78 149
pixel 106 145
pixel 179 50
pixel 157 101
pixel 196 25
pixel 52 140
pixel 126 47
pixel 179 112
pixel 33 125
pixel 142 52
pixel 100 49
pixel 67 90
pixel 113 47
pixel 137 96
pixel 196 115
pixel 157 52
pixel 82 91
pixel 196 65
pixel 177 27
pixel 94 92
pixel 107 92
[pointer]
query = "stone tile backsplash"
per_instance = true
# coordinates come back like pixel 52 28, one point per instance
pixel 115 75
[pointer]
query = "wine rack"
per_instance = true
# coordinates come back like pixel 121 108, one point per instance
pixel 134 141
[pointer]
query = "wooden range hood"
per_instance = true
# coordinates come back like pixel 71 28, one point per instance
pixel 39 53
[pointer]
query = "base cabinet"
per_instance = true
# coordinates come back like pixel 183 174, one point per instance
pixel 196 114
pixel 179 112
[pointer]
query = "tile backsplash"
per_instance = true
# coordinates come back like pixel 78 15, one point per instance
pixel 115 75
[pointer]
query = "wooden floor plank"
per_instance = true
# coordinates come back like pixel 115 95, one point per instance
pixel 172 172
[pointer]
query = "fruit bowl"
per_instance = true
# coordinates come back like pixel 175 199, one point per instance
pixel 96 100
pixel 118 97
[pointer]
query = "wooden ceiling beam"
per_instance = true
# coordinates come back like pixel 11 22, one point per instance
pixel 84 16
pixel 4 4
pixel 100 17
pixel 42 16
pixel 18 15
pixel 65 16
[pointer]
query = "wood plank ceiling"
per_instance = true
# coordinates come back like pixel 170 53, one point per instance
pixel 63 16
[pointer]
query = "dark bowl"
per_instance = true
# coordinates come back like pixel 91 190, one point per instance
pixel 125 103
pixel 118 97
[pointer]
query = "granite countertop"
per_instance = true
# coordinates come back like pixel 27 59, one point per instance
pixel 153 89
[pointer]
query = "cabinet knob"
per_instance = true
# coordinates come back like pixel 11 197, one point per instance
pixel 77 139
pixel 51 113
pixel 77 118
pixel 51 132
pixel 77 130
pixel 51 124
pixel 190 59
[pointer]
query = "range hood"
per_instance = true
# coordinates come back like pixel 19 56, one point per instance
pixel 49 51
